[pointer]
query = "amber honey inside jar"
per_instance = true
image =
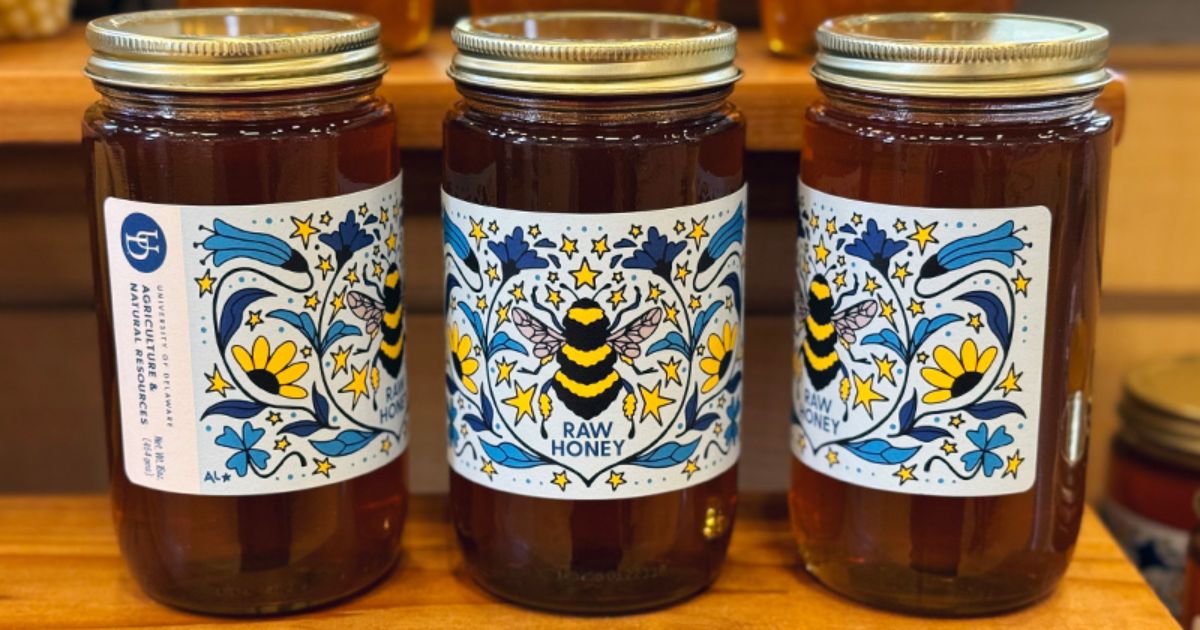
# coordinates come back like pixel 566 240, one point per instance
pixel 249 291
pixel 594 216
pixel 952 204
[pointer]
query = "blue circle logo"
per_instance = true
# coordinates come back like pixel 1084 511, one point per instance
pixel 143 242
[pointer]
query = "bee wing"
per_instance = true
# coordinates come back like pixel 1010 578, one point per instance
pixel 365 308
pixel 854 318
pixel 546 340
pixel 627 341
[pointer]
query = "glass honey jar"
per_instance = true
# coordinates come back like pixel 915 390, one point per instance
pixel 692 8
pixel 247 226
pixel 952 196
pixel 594 224
pixel 1154 476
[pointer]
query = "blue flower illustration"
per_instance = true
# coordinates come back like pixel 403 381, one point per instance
pixel 875 247
pixel 246 454
pixel 515 255
pixel 999 244
pixel 228 243
pixel 985 445
pixel 349 238
pixel 656 254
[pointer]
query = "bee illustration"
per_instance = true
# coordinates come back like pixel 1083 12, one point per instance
pixel 386 314
pixel 586 348
pixel 825 325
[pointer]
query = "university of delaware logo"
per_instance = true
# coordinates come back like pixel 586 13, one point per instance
pixel 143 242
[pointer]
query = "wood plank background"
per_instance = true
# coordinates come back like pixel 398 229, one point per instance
pixel 49 389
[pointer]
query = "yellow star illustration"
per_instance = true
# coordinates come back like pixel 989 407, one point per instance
pixel 274 418
pixel 974 320
pixel 922 357
pixel 488 469
pixel 254 319
pixel 670 370
pixel 840 279
pixel 481 303
pixel 653 402
pixel 690 467
pixel 923 234
pixel 670 312
pixel 856 218
pixel 325 265
pixel 585 275
pixel 502 313
pixel 888 310
pixel 681 272
pixel 385 446
pixel 956 421
pixel 357 384
pixel 600 246
pixel 351 276
pixel 694 304
pixel 1014 462
pixel 338 302
pixel 901 273
pixel 906 473
pixel 493 227
pixel 282 444
pixel 916 307
pixel 885 365
pixel 1021 283
pixel 205 282
pixel 323 467
pixel 655 292
pixel 553 297
pixel 477 232
pixel 493 273
pixel 617 297
pixel 813 222
pixel 569 247
pixel 616 480
pixel 312 301
pixel 326 218
pixel 518 291
pixel 900 225
pixel 306 351
pixel 831 227
pixel 217 383
pixel 304 229
pixel 679 227
pixel 362 210
pixel 871 286
pixel 377 270
pixel 383 215
pixel 561 480
pixel 391 242
pixel 821 252
pixel 831 456
pixel 522 402
pixel 865 394
pixel 635 230
pixel 504 371
pixel 949 447
pixel 535 230
pixel 1011 383
pixel 698 232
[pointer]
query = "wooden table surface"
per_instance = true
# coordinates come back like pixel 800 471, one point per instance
pixel 60 568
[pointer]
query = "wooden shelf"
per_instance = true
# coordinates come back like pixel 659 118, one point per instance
pixel 63 569
pixel 43 92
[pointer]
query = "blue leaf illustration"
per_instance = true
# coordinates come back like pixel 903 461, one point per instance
pixel 730 232
pixel 320 407
pixel 691 409
pixel 300 321
pixel 476 423
pixel 504 342
pixel 704 421
pixel 488 413
pixel 733 383
pixel 544 242
pixel 231 313
pixel 511 455
pixel 908 414
pixel 303 428
pixel 926 327
pixel 454 237
pixel 345 443
pixel 993 409
pixel 667 455
pixel 996 315
pixel 672 341
pixel 451 386
pixel 702 320
pixel 234 409
pixel 476 323
pixel 624 244
pixel 337 330
pixel 879 451
pixel 735 285
pixel 928 434
pixel 888 339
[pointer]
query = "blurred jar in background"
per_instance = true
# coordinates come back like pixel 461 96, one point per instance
pixel 695 8
pixel 405 23
pixel 29 19
pixel 1191 580
pixel 789 24
pixel 1155 472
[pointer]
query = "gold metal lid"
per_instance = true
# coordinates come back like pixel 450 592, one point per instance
pixel 962 55
pixel 594 53
pixel 1161 409
pixel 233 50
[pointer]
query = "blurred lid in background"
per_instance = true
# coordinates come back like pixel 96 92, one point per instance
pixel 1160 410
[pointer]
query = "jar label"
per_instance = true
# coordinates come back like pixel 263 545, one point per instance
pixel 594 356
pixel 919 340
pixel 259 349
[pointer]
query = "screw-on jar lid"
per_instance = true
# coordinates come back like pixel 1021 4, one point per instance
pixel 962 55
pixel 1161 409
pixel 233 50
pixel 594 53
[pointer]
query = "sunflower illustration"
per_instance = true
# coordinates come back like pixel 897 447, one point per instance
pixel 956 374
pixel 273 372
pixel 460 354
pixel 721 348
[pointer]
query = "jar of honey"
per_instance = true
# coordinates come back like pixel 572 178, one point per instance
pixel 952 197
pixel 693 8
pixel 1190 604
pixel 594 222
pixel 789 25
pixel 247 228
pixel 1154 476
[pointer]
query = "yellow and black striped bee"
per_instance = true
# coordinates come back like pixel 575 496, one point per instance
pixel 586 348
pixel 385 315
pixel 825 326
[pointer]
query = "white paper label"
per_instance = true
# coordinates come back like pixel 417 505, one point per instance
pixel 919 336
pixel 594 356
pixel 259 349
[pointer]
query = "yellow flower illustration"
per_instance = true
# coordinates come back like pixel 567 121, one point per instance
pixel 956 374
pixel 721 348
pixel 273 372
pixel 464 364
